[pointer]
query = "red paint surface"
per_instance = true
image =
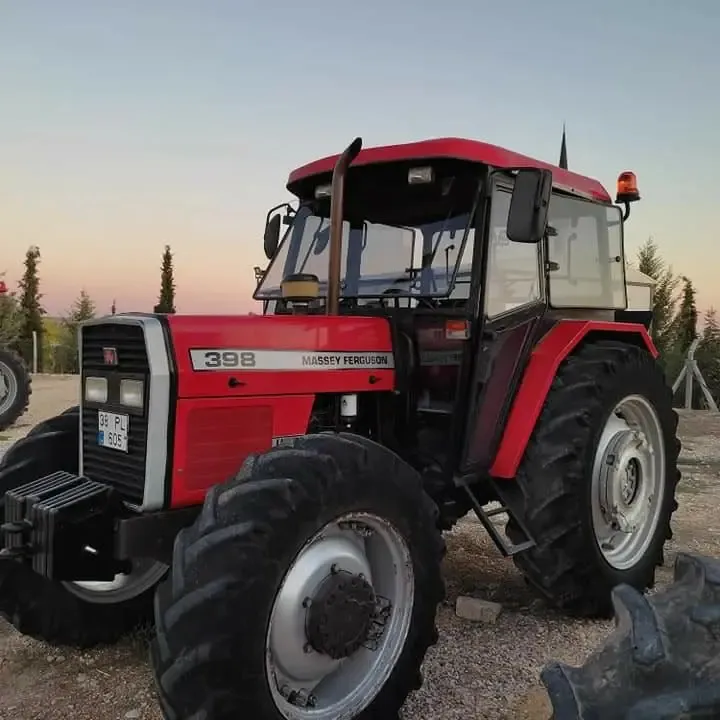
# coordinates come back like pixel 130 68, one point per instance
pixel 213 436
pixel 279 332
pixel 459 149
pixel 540 372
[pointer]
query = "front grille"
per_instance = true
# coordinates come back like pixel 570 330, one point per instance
pixel 128 341
pixel 123 471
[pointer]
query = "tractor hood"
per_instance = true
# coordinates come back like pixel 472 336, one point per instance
pixel 252 355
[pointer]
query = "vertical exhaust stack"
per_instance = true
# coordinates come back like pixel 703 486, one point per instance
pixel 336 221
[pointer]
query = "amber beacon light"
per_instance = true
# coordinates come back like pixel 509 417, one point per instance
pixel 627 190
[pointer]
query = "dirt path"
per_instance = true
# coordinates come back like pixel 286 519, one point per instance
pixel 483 672
pixel 51 394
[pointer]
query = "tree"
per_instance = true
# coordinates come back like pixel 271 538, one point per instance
pixel 10 318
pixel 684 326
pixel 708 352
pixel 649 260
pixel 651 263
pixel 83 308
pixel 166 302
pixel 30 305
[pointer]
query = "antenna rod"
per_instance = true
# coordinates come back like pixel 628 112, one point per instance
pixel 563 152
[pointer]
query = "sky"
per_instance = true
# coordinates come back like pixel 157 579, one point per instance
pixel 127 124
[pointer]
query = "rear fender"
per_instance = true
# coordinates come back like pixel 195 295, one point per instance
pixel 546 358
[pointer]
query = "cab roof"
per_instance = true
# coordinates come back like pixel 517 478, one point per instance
pixel 457 149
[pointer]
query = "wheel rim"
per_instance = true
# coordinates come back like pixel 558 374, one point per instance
pixel 628 483
pixel 144 575
pixel 307 673
pixel 8 387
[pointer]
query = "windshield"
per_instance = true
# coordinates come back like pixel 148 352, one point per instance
pixel 376 258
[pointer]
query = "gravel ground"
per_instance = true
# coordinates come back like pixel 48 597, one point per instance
pixel 484 672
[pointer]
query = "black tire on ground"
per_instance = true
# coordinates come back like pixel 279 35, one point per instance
pixel 567 566
pixel 212 615
pixel 662 662
pixel 39 607
pixel 11 408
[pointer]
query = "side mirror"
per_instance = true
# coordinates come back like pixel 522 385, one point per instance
pixel 271 238
pixel 528 215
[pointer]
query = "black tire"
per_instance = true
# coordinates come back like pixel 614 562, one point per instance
pixel 567 566
pixel 661 663
pixel 38 607
pixel 212 614
pixel 11 362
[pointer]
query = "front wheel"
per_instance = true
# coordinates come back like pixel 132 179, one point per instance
pixel 307 588
pixel 80 614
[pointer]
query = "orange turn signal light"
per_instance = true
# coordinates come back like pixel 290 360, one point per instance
pixel 627 190
pixel 457 329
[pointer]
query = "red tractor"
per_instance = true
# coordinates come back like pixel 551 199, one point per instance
pixel 445 329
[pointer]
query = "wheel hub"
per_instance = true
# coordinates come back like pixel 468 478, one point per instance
pixel 628 480
pixel 340 619
pixel 7 386
pixel 631 482
pixel 341 615
pixel 621 476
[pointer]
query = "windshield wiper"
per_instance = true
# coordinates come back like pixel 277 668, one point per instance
pixel 410 275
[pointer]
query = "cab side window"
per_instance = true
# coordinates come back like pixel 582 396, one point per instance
pixel 585 249
pixel 513 273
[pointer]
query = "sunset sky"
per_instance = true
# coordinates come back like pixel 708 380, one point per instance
pixel 128 125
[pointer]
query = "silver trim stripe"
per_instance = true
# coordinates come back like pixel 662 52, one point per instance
pixel 245 359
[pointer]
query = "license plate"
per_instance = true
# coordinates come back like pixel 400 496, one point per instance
pixel 113 430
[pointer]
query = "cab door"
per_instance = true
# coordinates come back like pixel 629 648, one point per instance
pixel 512 308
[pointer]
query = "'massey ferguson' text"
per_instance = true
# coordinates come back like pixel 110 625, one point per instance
pixel 345 360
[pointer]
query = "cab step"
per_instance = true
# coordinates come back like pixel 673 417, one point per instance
pixel 509 505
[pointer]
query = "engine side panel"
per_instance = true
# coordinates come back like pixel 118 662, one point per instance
pixel 213 436
pixel 281 355
pixel 539 374
pixel 246 382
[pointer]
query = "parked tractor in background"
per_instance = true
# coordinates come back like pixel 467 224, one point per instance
pixel 15 382
pixel 441 334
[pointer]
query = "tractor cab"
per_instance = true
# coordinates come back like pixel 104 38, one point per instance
pixel 418 227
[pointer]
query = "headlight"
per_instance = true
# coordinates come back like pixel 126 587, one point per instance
pixel 96 389
pixel 131 393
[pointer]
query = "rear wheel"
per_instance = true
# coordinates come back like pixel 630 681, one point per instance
pixel 307 588
pixel 79 614
pixel 15 387
pixel 661 663
pixel 599 478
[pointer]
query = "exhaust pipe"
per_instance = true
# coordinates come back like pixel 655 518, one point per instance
pixel 336 220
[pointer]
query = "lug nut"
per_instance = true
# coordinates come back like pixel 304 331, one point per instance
pixel 306 603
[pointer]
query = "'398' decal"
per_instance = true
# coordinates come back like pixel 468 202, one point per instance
pixel 222 359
